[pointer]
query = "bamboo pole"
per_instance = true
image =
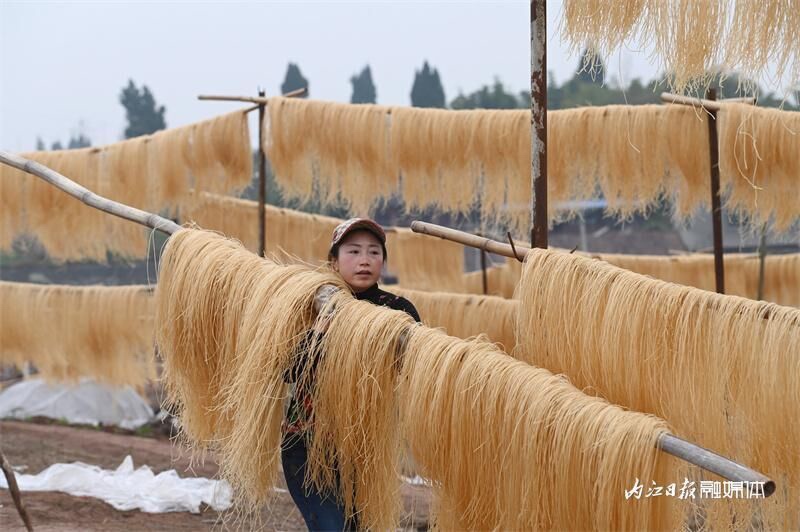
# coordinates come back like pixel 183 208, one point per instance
pixel 253 99
pixel 710 105
pixel 668 443
pixel 471 240
pixel 88 197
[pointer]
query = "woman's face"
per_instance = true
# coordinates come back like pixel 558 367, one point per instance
pixel 360 260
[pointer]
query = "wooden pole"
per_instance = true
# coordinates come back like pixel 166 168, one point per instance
pixel 708 104
pixel 88 197
pixel 262 181
pixel 260 99
pixel 539 123
pixel 716 202
pixel 11 480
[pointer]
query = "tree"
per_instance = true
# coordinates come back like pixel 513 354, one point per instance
pixel 363 87
pixel 144 117
pixel 40 144
pixel 427 90
pixel 56 146
pixel 81 141
pixel 294 80
pixel 495 97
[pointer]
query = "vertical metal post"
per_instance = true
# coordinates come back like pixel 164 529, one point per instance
pixel 716 208
pixel 539 123
pixel 262 181
pixel 483 269
pixel 762 259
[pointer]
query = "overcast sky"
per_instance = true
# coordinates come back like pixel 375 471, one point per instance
pixel 63 64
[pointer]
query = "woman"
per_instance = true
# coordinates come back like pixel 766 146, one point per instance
pixel 358 254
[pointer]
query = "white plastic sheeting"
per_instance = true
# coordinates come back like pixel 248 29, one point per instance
pixel 86 402
pixel 127 488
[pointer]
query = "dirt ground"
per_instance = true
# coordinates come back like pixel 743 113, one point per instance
pixel 35 446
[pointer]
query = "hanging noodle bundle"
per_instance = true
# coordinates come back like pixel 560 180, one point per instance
pixel 634 155
pixel 466 315
pixel 762 33
pixel 781 274
pixel 445 156
pixel 513 447
pixel 759 163
pixel 500 280
pixel 356 428
pixel 781 278
pixel 458 160
pixel 690 38
pixel 221 160
pixel 418 261
pixel 424 263
pixel 230 324
pixel 68 332
pixel 151 172
pixel 223 369
pixel 290 234
pixel 335 152
pixel 690 270
pixel 720 369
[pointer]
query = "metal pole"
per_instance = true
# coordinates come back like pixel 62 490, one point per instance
pixel 539 123
pixel 483 269
pixel 762 259
pixel 716 208
pixel 713 462
pixel 262 181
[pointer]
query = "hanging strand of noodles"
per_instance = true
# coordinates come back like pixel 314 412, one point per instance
pixel 465 316
pixel 781 274
pixel 480 423
pixel 304 141
pixel 68 332
pixel 781 278
pixel 355 449
pixel 291 234
pixel 501 280
pixel 691 39
pixel 633 155
pixel 693 270
pixel 425 263
pixel 759 163
pixel 152 172
pixel 418 261
pixel 720 369
pixel 223 369
pixel 230 323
